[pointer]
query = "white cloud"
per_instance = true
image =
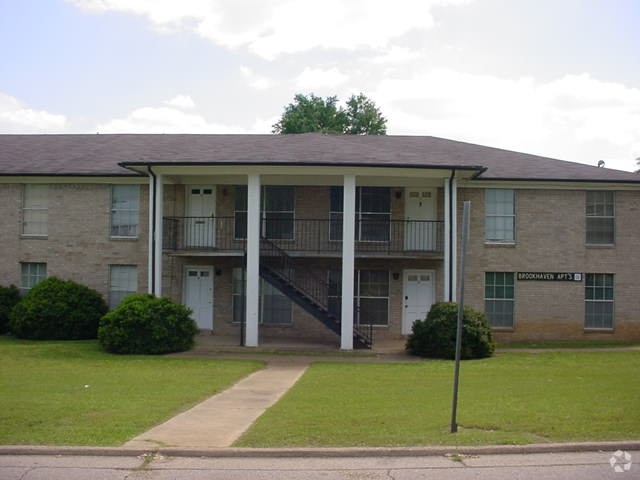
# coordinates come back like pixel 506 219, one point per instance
pixel 181 101
pixel 270 29
pixel 575 117
pixel 396 55
pixel 312 78
pixel 163 120
pixel 254 80
pixel 16 118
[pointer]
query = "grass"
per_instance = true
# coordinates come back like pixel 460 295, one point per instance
pixel 574 344
pixel 72 393
pixel 512 398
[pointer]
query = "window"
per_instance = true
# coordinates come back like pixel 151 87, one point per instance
pixel 31 275
pixel 373 213
pixel 35 209
pixel 499 294
pixel 598 296
pixel 500 220
pixel 600 212
pixel 123 281
pixel 275 307
pixel 371 296
pixel 125 203
pixel 277 212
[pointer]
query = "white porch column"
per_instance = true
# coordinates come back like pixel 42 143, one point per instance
pixel 151 247
pixel 348 260
pixel 157 206
pixel 158 233
pixel 450 238
pixel 454 240
pixel 252 292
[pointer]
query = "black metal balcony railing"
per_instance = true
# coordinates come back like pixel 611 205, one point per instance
pixel 320 236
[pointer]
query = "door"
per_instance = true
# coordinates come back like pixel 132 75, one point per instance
pixel 420 233
pixel 200 221
pixel 419 295
pixel 199 295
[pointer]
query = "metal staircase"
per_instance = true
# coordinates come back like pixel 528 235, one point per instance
pixel 306 289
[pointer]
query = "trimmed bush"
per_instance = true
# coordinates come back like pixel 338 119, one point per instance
pixel 9 298
pixel 58 309
pixel 144 324
pixel 435 337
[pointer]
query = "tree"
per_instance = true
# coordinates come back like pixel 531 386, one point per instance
pixel 364 118
pixel 315 114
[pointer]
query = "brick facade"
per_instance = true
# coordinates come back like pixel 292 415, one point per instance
pixel 77 246
pixel 550 237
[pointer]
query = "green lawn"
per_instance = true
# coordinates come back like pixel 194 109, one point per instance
pixel 512 398
pixel 72 393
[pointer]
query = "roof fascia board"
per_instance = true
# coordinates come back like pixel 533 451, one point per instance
pixel 554 184
pixel 50 179
pixel 182 169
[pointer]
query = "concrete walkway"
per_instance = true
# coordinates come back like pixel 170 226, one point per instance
pixel 221 419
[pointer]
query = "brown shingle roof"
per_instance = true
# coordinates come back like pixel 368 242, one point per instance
pixel 105 155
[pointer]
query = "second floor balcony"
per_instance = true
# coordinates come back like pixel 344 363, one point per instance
pixel 375 235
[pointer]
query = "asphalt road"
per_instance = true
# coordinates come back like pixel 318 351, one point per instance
pixel 551 466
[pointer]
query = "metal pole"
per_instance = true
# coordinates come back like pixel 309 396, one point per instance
pixel 463 254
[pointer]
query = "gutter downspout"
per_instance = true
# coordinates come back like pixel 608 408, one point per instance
pixel 152 231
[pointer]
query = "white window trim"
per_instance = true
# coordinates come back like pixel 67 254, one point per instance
pixel 493 299
pixel 113 210
pixel 612 217
pixel 513 216
pixel 26 209
pixel 612 302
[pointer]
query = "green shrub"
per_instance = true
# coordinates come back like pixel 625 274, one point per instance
pixel 144 324
pixel 58 309
pixel 435 337
pixel 9 298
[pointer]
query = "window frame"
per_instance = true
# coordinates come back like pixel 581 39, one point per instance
pixel 35 205
pixel 363 193
pixel 606 201
pixel 116 295
pixel 266 290
pixel 591 285
pixel 334 278
pixel 492 213
pixel 241 208
pixel 33 278
pixel 491 301
pixel 131 211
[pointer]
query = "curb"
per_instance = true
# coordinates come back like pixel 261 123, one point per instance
pixel 23 450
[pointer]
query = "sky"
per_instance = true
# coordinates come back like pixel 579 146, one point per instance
pixel 557 78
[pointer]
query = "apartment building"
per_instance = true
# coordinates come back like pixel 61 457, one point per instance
pixel 342 239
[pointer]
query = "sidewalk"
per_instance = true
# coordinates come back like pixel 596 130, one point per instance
pixel 220 420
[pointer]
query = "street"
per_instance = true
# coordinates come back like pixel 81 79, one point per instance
pixel 560 466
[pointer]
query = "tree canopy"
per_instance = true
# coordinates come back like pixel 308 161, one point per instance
pixel 315 114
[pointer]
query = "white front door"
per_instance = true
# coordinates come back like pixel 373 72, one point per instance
pixel 419 208
pixel 200 223
pixel 419 295
pixel 198 294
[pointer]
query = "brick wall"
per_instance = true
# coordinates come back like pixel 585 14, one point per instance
pixel 78 246
pixel 550 237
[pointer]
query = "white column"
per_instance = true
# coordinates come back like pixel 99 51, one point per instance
pixel 159 196
pixel 454 239
pixel 252 292
pixel 447 240
pixel 152 221
pixel 348 260
pixel 450 238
